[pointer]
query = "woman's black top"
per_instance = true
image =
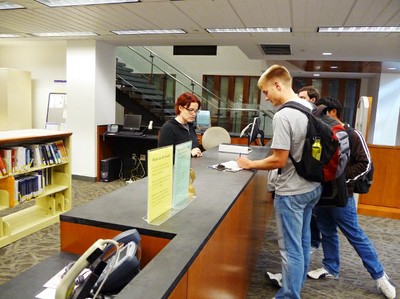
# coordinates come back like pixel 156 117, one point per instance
pixel 172 132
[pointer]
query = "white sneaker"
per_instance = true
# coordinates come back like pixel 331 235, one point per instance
pixel 274 278
pixel 321 273
pixel 386 287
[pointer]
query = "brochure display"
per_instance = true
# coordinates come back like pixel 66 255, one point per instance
pixel 168 183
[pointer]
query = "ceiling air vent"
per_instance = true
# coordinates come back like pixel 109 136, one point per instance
pixel 276 49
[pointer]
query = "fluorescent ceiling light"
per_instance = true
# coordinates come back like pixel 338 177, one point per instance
pixel 10 5
pixel 392 68
pixel 5 35
pixel 317 75
pixel 334 66
pixel 327 53
pixel 63 34
pixel 353 29
pixel 148 31
pixel 58 3
pixel 250 30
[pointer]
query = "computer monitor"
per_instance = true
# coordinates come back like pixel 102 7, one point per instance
pixel 203 120
pixel 132 122
pixel 256 132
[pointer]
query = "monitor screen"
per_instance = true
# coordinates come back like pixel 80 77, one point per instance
pixel 203 119
pixel 255 130
pixel 132 122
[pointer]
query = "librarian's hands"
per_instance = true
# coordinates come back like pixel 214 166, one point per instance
pixel 196 152
pixel 243 162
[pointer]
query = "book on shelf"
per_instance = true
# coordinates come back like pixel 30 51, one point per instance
pixel 62 150
pixel 3 170
pixel 5 154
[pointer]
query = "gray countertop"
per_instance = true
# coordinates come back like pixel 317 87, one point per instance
pixel 189 229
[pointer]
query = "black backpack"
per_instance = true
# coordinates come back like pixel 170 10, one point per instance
pixel 335 152
pixel 308 167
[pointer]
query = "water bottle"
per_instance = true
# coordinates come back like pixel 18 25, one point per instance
pixel 317 149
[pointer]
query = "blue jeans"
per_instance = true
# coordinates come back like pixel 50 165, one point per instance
pixel 293 216
pixel 328 220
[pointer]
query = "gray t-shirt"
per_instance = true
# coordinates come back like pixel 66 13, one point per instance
pixel 289 132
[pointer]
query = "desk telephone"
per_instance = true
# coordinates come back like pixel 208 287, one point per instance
pixel 111 269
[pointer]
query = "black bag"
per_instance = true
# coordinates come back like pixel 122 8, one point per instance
pixel 308 167
pixel 362 185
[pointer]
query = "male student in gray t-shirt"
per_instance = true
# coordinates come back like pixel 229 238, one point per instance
pixel 295 197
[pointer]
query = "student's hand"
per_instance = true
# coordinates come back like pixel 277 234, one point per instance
pixel 243 162
pixel 196 152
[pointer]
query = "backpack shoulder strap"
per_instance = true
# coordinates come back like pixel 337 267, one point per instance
pixel 295 105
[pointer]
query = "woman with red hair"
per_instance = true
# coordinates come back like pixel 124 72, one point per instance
pixel 180 129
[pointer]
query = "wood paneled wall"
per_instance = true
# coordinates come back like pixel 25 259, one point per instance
pixel 383 199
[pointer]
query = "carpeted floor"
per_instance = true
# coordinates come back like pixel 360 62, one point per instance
pixel 354 281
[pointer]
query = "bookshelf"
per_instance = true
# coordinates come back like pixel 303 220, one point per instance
pixel 34 194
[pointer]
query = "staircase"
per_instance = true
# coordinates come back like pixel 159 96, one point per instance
pixel 138 95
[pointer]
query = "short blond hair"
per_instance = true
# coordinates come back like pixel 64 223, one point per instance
pixel 275 72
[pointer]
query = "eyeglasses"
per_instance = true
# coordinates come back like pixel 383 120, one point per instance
pixel 191 110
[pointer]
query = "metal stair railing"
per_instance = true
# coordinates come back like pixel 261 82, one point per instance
pixel 191 86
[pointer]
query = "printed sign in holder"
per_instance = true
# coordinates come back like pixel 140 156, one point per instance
pixel 168 182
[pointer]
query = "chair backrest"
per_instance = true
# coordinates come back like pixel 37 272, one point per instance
pixel 214 136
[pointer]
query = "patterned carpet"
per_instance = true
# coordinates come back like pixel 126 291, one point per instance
pixel 354 281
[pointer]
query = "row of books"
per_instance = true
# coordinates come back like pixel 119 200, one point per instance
pixel 20 159
pixel 30 186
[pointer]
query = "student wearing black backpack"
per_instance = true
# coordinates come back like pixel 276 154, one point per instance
pixel 295 197
pixel 330 218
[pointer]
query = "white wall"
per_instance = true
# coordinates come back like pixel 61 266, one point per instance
pixel 388 106
pixel 91 99
pixel 46 61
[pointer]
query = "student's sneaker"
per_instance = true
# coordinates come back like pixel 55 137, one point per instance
pixel 276 279
pixel 386 287
pixel 321 273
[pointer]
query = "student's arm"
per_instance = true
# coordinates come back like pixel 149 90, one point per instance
pixel 278 159
pixel 360 158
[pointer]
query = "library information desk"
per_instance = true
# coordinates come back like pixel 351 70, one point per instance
pixel 206 250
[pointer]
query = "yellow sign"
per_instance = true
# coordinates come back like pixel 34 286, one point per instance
pixel 159 169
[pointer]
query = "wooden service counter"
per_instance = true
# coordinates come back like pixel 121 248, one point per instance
pixel 207 250
pixel 383 197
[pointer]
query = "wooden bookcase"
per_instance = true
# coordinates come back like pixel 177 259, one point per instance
pixel 55 197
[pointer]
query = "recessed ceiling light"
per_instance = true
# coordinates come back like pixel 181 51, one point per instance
pixel 392 68
pixel 63 34
pixel 250 30
pixel 10 5
pixel 7 35
pixel 317 75
pixel 327 53
pixel 352 29
pixel 58 3
pixel 149 31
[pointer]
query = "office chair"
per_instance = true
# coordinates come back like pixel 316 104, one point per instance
pixel 214 136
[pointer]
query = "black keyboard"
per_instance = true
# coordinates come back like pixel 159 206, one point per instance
pixel 129 133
